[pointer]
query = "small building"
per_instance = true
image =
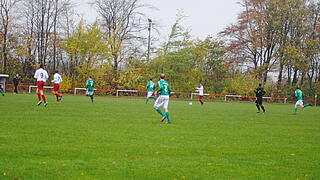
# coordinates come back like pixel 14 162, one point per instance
pixel 3 78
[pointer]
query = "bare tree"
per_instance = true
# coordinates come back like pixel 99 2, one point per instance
pixel 123 22
pixel 43 25
pixel 6 18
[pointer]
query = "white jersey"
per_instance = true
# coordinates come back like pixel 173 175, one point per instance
pixel 200 90
pixel 41 75
pixel 57 78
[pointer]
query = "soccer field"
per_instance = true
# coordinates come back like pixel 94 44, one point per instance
pixel 124 139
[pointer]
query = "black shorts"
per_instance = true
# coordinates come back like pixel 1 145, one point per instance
pixel 259 101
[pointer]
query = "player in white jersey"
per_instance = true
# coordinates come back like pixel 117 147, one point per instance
pixel 42 76
pixel 56 85
pixel 200 95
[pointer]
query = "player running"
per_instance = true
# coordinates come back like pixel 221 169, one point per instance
pixel 56 85
pixel 42 76
pixel 164 91
pixel 90 88
pixel 200 96
pixel 299 94
pixel 260 92
pixel 150 86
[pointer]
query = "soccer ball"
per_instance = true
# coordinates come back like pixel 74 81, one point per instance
pixel 190 103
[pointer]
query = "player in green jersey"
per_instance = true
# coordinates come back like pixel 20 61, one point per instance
pixel 150 86
pixel 90 88
pixel 299 94
pixel 164 91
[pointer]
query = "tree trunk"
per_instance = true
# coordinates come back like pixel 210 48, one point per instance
pixel 4 52
pixel 289 72
pixel 302 78
pixel 295 77
pixel 266 71
pixel 115 67
pixel 55 36
pixel 280 76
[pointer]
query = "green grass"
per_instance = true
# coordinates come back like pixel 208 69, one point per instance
pixel 124 139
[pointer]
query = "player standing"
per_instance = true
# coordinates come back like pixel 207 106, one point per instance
pixel 150 86
pixel 299 94
pixel 16 81
pixel 200 90
pixel 42 76
pixel 56 85
pixel 164 91
pixel 90 88
pixel 260 92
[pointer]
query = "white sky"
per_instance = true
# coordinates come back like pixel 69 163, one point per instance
pixel 204 17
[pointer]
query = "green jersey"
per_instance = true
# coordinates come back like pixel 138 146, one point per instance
pixel 299 94
pixel 151 86
pixel 164 87
pixel 90 85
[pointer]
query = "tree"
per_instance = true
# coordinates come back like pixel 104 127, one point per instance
pixel 254 39
pixel 278 36
pixel 41 23
pixel 122 21
pixel 88 51
pixel 7 20
pixel 179 36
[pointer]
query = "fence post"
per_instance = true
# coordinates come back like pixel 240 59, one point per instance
pixel 315 100
pixel 29 89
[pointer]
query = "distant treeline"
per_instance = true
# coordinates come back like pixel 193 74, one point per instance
pixel 270 37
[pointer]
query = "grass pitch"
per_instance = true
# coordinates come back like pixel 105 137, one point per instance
pixel 124 139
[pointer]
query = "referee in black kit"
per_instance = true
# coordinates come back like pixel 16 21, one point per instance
pixel 259 94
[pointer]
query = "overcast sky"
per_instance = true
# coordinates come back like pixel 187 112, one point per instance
pixel 204 17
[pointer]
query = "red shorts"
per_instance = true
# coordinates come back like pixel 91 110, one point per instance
pixel 40 85
pixel 200 97
pixel 56 87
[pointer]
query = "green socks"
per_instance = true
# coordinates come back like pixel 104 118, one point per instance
pixel 307 105
pixel 296 109
pixel 160 112
pixel 147 100
pixel 168 116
